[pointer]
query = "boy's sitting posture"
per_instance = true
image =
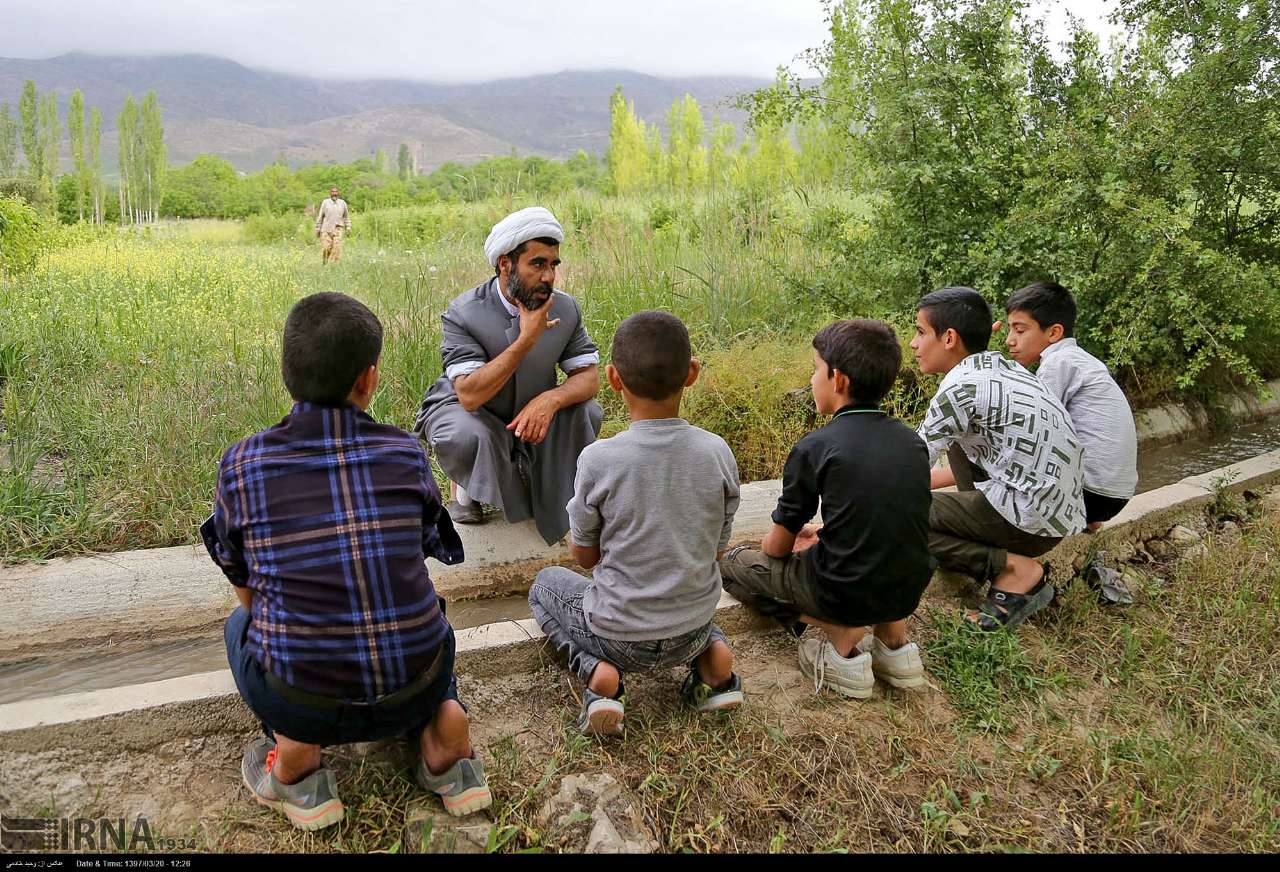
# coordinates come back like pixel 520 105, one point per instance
pixel 322 523
pixel 1013 455
pixel 868 563
pixel 651 513
pixel 1042 320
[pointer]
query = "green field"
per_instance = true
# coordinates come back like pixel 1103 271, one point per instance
pixel 131 360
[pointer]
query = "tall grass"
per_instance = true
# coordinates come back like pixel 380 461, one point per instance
pixel 132 360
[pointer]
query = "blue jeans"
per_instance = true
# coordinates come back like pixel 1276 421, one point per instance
pixel 556 602
pixel 345 723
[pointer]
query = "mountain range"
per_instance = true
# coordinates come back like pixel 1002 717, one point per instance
pixel 250 116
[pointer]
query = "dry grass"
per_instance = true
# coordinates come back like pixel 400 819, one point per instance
pixel 1155 728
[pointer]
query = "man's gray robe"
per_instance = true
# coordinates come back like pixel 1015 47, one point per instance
pixel 474 448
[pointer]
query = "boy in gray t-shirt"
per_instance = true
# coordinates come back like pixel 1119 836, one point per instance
pixel 651 515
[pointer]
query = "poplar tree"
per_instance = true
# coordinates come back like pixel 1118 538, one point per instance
pixel 75 130
pixel 404 160
pixel 28 109
pixel 8 143
pixel 380 161
pixel 93 162
pixel 155 158
pixel 50 138
pixel 686 155
pixel 720 158
pixel 628 155
pixel 127 125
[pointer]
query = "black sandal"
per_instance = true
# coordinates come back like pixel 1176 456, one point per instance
pixel 1003 608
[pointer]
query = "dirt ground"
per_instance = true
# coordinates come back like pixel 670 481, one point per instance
pixel 1084 732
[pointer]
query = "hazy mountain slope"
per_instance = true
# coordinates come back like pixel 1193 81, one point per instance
pixel 249 116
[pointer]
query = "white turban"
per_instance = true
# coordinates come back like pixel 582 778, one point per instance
pixel 518 228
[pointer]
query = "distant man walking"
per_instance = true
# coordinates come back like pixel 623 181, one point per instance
pixel 331 222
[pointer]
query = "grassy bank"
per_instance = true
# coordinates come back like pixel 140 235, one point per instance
pixel 1151 728
pixel 129 362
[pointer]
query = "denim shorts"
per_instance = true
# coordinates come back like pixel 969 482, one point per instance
pixel 556 602
pixel 345 723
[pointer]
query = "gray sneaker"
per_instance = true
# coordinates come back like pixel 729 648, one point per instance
pixel 705 698
pixel 311 804
pixel 848 676
pixel 472 513
pixel 601 715
pixel 900 667
pixel 461 787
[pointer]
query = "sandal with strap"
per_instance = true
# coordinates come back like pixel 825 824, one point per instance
pixel 1003 608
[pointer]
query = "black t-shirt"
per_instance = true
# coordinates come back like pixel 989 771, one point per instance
pixel 871 472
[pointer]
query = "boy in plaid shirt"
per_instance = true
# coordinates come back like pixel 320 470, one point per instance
pixel 322 524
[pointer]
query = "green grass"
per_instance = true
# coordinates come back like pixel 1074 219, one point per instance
pixel 130 360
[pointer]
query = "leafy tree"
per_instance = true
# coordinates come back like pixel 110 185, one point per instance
pixel 50 139
pixel 154 155
pixel 686 154
pixel 131 161
pixel 1145 176
pixel 8 142
pixel 206 187
pixel 28 109
pixel 404 161
pixel 93 165
pixel 720 158
pixel 75 130
pixel 628 157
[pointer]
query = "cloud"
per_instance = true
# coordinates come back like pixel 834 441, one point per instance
pixel 441 41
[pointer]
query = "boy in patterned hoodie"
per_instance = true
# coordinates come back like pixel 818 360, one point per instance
pixel 1013 454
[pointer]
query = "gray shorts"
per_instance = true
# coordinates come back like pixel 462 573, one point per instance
pixel 556 602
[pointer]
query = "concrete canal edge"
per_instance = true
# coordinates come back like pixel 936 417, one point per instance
pixel 136 599
pixel 137 716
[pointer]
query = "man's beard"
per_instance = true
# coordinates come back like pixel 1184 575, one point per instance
pixel 529 298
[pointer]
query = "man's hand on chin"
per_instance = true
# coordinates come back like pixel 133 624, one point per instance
pixel 534 420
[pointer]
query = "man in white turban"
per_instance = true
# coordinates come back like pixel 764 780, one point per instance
pixel 500 426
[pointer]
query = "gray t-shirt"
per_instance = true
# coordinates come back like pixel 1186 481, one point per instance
pixel 658 499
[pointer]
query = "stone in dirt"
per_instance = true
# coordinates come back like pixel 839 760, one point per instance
pixel 593 814
pixel 428 829
pixel 1183 536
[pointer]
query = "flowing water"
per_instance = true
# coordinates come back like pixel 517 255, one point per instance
pixel 1158 467
pixel 53 675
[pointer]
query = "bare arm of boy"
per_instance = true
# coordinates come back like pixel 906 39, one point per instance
pixel 779 542
pixel 941 478
pixel 245 595
pixel 587 556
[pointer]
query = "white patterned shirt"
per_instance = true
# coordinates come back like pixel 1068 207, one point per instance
pixel 1099 413
pixel 1013 428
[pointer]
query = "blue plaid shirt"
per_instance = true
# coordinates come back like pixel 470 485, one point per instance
pixel 327 518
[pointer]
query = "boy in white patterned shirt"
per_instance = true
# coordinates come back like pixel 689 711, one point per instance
pixel 1014 457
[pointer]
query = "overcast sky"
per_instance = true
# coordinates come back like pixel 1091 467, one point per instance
pixel 473 40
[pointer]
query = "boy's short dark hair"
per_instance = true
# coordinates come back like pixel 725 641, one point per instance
pixel 866 351
pixel 329 339
pixel 651 353
pixel 1048 303
pixel 960 309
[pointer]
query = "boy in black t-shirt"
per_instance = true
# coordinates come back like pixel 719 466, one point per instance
pixel 868 563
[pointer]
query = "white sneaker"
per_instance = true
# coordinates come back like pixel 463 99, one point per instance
pixel 850 677
pixel 900 667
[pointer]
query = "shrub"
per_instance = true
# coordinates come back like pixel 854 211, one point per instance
pixel 23 236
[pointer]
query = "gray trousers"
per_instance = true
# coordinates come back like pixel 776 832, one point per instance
pixel 556 602
pixel 476 450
